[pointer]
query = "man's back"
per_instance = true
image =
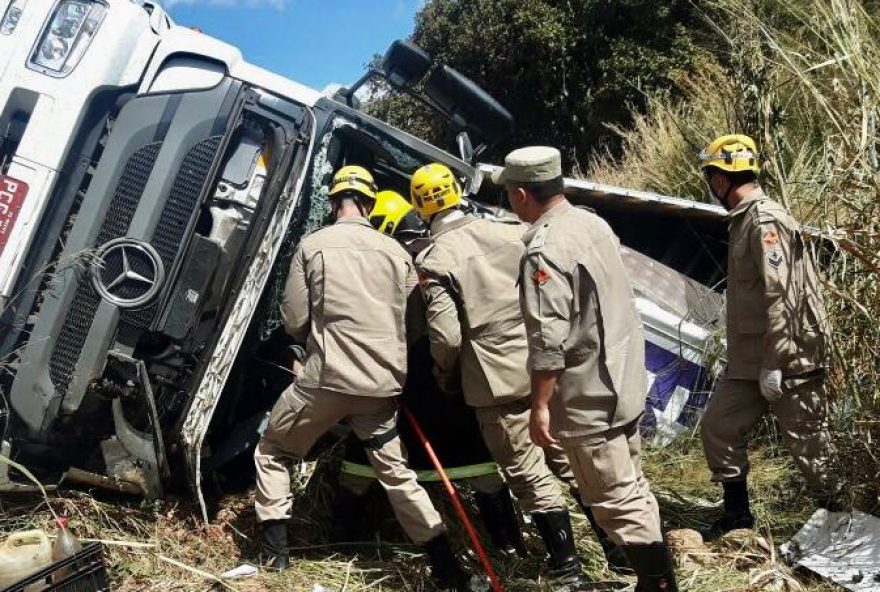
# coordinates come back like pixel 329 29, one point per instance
pixel 347 291
pixel 477 260
pixel 573 256
pixel 775 314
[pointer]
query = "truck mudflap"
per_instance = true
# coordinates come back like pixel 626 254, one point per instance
pixel 194 429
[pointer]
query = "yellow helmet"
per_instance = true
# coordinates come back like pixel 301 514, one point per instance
pixel 353 178
pixel 733 153
pixel 434 188
pixel 394 216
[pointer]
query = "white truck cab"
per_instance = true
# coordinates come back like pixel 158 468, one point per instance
pixel 153 186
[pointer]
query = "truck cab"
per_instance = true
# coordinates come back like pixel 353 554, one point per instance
pixel 153 187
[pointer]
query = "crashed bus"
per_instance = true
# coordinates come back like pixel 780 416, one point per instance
pixel 153 187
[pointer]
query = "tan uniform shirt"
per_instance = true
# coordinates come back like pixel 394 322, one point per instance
pixel 468 277
pixel 346 294
pixel 580 316
pixel 775 316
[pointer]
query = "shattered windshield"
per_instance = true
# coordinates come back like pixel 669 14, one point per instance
pixel 345 140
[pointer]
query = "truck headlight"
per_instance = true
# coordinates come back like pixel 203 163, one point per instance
pixel 12 16
pixel 66 36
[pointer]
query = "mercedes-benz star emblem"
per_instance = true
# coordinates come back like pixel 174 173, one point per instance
pixel 127 272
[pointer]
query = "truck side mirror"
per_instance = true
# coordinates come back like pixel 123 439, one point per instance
pixel 405 64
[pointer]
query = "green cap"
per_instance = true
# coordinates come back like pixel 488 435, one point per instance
pixel 532 164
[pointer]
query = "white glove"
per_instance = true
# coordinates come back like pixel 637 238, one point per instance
pixel 771 384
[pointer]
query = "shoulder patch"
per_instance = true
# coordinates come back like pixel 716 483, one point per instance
pixel 774 258
pixel 540 276
pixel 770 239
pixel 539 238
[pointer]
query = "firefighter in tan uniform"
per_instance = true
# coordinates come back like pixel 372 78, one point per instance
pixel 586 357
pixel 346 298
pixel 468 276
pixel 776 336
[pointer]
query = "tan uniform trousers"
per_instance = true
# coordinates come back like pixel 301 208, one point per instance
pixel 557 460
pixel 608 469
pixel 505 430
pixel 300 417
pixel 737 405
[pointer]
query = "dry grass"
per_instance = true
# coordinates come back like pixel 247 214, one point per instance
pixel 171 531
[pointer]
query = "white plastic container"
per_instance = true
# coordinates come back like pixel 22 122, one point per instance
pixel 23 553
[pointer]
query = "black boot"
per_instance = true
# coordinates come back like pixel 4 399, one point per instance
pixel 564 566
pixel 499 517
pixel 614 553
pixel 736 511
pixel 653 566
pixel 273 551
pixel 445 568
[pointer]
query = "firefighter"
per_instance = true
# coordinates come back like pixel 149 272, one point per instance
pixel 468 277
pixel 461 450
pixel 776 336
pixel 346 297
pixel 586 357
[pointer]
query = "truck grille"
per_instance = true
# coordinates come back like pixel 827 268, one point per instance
pixel 182 205
pixel 85 302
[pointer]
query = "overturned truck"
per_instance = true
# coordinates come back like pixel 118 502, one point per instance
pixel 153 186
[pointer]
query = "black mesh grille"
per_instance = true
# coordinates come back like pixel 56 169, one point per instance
pixel 85 302
pixel 181 207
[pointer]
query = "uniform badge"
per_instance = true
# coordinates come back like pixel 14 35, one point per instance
pixel 774 258
pixel 540 277
pixel 770 239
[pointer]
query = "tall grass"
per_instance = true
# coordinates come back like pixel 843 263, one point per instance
pixel 802 77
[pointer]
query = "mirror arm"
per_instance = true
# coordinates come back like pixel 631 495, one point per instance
pixel 348 96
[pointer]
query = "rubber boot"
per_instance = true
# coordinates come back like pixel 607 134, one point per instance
pixel 736 511
pixel 499 517
pixel 274 555
pixel 564 565
pixel 653 566
pixel 446 569
pixel 614 553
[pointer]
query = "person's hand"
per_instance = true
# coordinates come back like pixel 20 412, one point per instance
pixel 539 426
pixel 771 384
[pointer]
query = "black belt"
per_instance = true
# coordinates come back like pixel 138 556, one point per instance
pixel 377 442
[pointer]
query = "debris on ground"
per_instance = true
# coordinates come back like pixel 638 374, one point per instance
pixel 240 572
pixel 841 546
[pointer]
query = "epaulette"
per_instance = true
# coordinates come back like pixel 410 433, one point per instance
pixel 538 240
pixel 768 210
pixel 420 258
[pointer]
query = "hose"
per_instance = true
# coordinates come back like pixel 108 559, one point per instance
pixel 456 501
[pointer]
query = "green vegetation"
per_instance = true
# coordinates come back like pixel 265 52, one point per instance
pixel 801 78
pixel 568 70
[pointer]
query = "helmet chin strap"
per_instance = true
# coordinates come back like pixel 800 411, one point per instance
pixel 727 193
